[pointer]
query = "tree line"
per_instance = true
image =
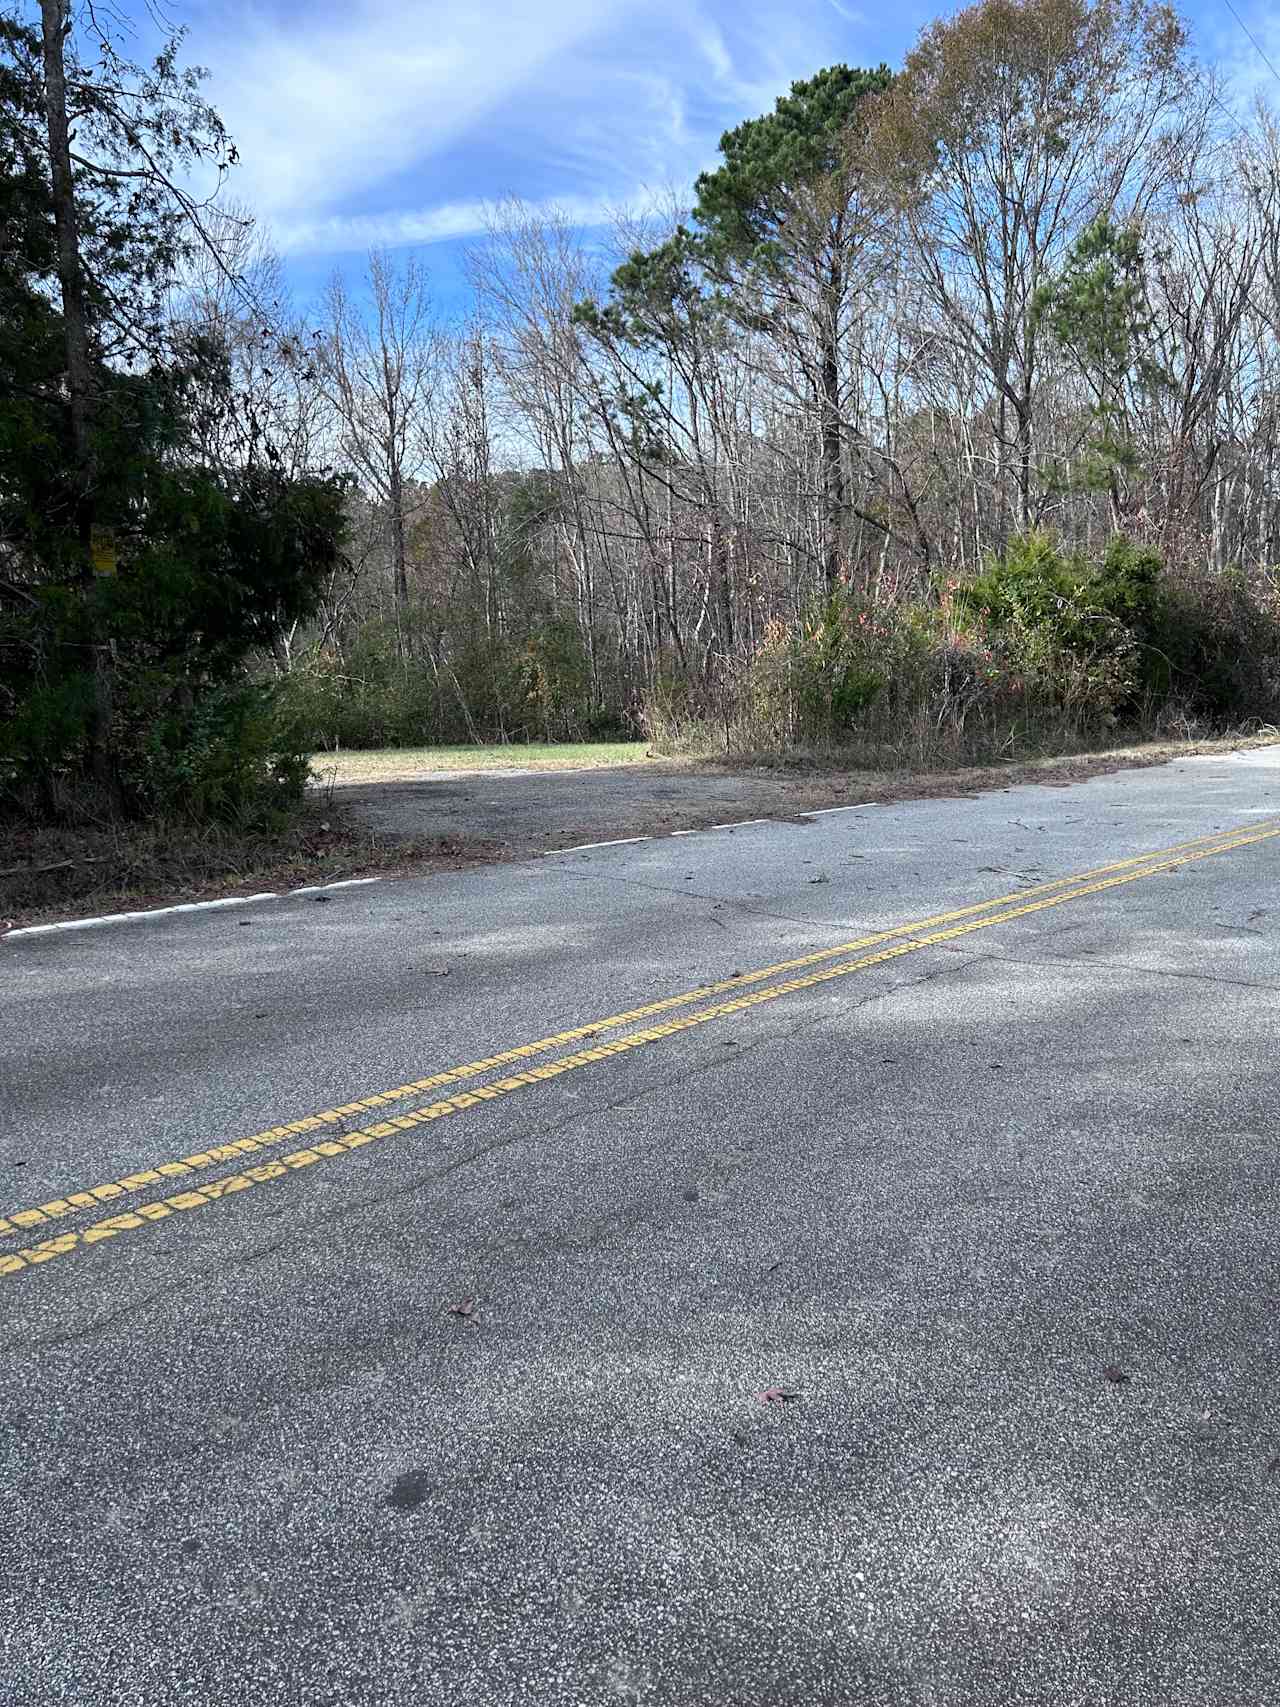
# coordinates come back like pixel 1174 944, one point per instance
pixel 942 422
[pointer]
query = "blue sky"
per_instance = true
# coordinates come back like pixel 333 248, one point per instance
pixel 395 121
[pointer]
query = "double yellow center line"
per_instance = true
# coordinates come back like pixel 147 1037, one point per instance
pixel 901 940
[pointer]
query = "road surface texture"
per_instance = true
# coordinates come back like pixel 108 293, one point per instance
pixel 821 1262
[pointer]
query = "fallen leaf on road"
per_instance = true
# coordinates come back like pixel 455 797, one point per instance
pixel 777 1396
pixel 1115 1374
pixel 820 878
pixel 464 1307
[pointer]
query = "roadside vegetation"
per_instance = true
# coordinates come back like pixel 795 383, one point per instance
pixel 939 429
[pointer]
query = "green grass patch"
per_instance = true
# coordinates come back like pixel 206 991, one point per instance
pixel 386 764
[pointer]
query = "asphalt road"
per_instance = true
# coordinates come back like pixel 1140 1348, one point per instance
pixel 901 1326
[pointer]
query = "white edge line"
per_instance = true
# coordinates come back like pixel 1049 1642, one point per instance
pixel 180 907
pixel 620 842
pixel 737 824
pixel 131 918
pixel 342 883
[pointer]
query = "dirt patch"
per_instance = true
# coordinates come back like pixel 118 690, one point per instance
pixel 522 814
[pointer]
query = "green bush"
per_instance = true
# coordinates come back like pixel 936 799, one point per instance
pixel 1073 604
pixel 1127 586
pixel 1041 651
pixel 226 758
pixel 209 752
pixel 47 729
pixel 552 696
pixel 489 688
pixel 836 676
pixel 1217 650
pixel 1088 632
pixel 368 697
pixel 1032 586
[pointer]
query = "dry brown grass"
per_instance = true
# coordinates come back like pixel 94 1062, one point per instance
pixel 59 873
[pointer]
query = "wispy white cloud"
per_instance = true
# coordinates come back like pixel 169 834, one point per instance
pixel 350 97
pixel 756 51
pixel 1246 54
pixel 391 121
pixel 347 233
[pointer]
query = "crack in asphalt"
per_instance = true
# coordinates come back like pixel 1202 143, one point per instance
pixel 836 927
pixel 1086 960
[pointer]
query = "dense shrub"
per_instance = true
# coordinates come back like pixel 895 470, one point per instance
pixel 217 754
pixel 365 698
pixel 1042 651
pixel 225 759
pixel 492 688
pixel 1218 646
pixel 1085 627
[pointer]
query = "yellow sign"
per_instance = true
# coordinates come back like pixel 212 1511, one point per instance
pixel 102 549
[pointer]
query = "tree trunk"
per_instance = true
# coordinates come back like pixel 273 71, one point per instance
pixel 833 502
pixel 399 558
pixel 1025 516
pixel 55 23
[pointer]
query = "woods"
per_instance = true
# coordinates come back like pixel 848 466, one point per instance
pixel 941 425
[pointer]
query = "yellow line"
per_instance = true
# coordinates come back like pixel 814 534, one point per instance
pixel 74 1203
pixel 339 1144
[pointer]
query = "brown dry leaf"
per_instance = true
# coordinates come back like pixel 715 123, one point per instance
pixel 464 1307
pixel 777 1396
pixel 1115 1375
